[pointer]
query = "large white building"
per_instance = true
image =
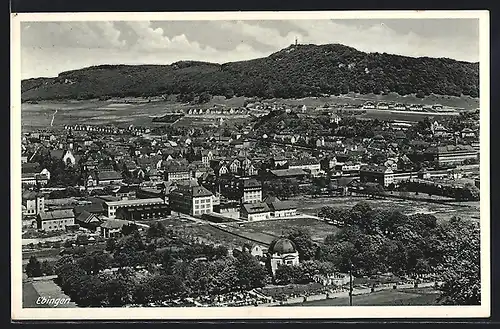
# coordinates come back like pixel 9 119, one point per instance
pixel 252 191
pixel 113 206
pixel 191 200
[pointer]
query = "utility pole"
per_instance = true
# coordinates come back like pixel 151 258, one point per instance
pixel 350 284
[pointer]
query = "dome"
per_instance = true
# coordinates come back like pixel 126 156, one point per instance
pixel 283 246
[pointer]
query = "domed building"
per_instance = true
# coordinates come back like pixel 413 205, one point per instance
pixel 283 252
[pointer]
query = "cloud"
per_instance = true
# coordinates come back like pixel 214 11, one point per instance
pixel 72 34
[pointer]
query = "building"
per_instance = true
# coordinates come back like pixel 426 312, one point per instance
pixel 33 203
pixel 281 209
pixel 55 220
pixel 113 206
pixel 176 171
pixel 282 252
pixel 112 228
pixel 109 177
pixel 376 174
pixel 252 191
pixel 451 154
pixel 147 212
pixel 191 200
pixel 125 192
pixel 287 173
pixel 309 165
pixel 87 220
pixel 255 211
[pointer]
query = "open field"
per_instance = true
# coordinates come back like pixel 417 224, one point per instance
pixel 465 102
pixel 399 297
pixel 38 116
pixel 319 230
pixel 407 207
pixel 208 233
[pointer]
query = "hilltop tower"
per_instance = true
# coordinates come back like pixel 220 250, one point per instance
pixel 296 41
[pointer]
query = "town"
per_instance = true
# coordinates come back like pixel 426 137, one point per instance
pixel 249 206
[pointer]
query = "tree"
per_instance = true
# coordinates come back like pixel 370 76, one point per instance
pixel 156 230
pixel 250 273
pixel 301 237
pixel 129 229
pixel 204 97
pixel 111 245
pixel 33 268
pixel 47 268
pixel 462 270
pixel 287 274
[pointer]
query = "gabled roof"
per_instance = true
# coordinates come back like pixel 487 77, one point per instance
pixel 288 172
pixel 256 208
pixel 282 205
pixel 87 217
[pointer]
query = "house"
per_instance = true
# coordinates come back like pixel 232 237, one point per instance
pixel 255 211
pixel 376 174
pixel 279 162
pixel 467 133
pixel 176 170
pixel 254 249
pixel 33 203
pixel 87 220
pixel 206 156
pixel 192 200
pixel 55 220
pixel 112 228
pixel 282 208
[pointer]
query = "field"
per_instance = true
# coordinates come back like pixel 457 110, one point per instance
pixel 319 230
pixel 402 297
pixel 407 207
pixel 465 102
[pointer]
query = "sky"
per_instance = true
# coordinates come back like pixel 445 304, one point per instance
pixel 49 48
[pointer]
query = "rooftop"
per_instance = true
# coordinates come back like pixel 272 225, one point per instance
pixel 135 202
pixel 56 214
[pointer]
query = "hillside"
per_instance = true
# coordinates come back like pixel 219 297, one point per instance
pixel 294 72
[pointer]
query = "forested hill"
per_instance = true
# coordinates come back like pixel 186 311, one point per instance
pixel 294 72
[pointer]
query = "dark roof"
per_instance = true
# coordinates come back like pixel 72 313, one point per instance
pixel 109 175
pixel 192 191
pixel 31 195
pixel 283 205
pixel 58 154
pixel 374 168
pixel 288 172
pixel 114 223
pixel 33 167
pixel 57 214
pixel 282 246
pixel 247 183
pixel 270 199
pixel 86 217
pixel 256 208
